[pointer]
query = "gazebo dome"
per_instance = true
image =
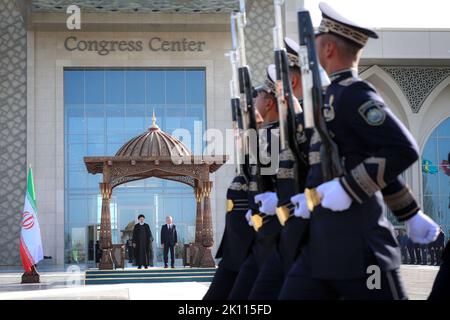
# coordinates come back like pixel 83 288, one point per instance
pixel 153 143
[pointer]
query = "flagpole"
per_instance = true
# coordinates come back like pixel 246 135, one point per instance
pixel 30 237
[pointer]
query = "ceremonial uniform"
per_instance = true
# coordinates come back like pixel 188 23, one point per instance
pixel 236 242
pixel 271 277
pixel 342 245
pixel 267 235
pixel 295 228
pixel 400 200
pixel 375 149
pixel 266 224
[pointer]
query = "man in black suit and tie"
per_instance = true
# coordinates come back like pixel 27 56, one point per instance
pixel 169 241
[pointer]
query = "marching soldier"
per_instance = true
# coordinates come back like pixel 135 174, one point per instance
pixel 348 236
pixel 236 241
pixel 267 234
pixel 271 277
pixel 237 238
pixel 397 196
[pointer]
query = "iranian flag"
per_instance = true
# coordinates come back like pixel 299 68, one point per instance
pixel 30 236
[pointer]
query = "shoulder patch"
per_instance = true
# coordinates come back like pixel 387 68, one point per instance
pixel 372 112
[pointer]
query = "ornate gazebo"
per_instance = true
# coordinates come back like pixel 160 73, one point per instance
pixel 158 154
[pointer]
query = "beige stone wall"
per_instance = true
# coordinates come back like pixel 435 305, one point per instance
pixel 258 33
pixel 291 7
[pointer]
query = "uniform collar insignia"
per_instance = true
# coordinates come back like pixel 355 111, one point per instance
pixel 343 74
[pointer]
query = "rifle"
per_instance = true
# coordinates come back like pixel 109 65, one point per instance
pixel 236 113
pixel 286 112
pixel 313 105
pixel 257 183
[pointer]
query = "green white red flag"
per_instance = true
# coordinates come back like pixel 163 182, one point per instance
pixel 30 236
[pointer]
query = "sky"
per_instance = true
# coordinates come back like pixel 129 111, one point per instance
pixel 388 13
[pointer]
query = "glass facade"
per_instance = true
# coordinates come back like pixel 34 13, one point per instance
pixel 436 176
pixel 103 109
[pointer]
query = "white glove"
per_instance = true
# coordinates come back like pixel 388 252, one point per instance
pixel 334 196
pixel 422 229
pixel 248 216
pixel 301 209
pixel 269 201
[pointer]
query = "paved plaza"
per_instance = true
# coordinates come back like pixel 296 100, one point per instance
pixel 68 283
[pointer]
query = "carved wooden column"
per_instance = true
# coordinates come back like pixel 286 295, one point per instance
pixel 105 228
pixel 198 216
pixel 207 234
pixel 207 260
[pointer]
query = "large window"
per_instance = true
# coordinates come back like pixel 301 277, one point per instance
pixel 436 175
pixel 104 108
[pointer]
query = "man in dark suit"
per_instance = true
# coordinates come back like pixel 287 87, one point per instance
pixel 169 240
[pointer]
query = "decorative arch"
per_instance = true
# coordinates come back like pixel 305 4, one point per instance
pixel 435 175
pixel 190 181
pixel 390 91
pixel 433 111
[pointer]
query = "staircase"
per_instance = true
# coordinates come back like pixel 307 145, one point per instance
pixel 153 275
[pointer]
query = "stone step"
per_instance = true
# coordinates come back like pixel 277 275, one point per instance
pixel 156 275
pixel 150 271
pixel 116 280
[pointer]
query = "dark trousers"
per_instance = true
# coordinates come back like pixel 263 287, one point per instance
pixel 221 284
pixel 404 254
pixel 435 255
pixel 130 254
pixel 245 279
pixel 305 288
pixel 412 255
pixel 418 255
pixel 298 285
pixel 424 254
pixel 441 285
pixel 168 248
pixel 269 280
